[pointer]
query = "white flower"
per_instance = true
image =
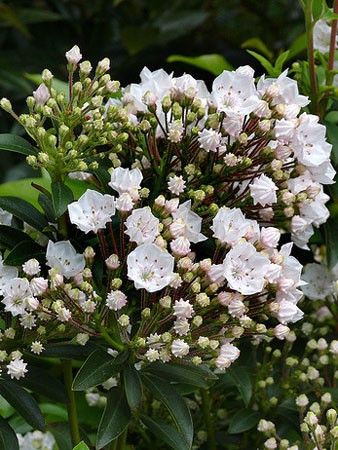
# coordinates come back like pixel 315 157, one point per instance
pixel 31 267
pixel 74 55
pixel 181 327
pixel 36 347
pixel 15 293
pixel 319 282
pixel 235 92
pixel 180 246
pixel 38 285
pixel 179 348
pixel 175 131
pixel 116 300
pixel 269 237
pixel 209 140
pixel 7 273
pixel 192 222
pixel 17 368
pixel 281 331
pixel 288 312
pixel 176 185
pixel 183 309
pixel 244 269
pixel 236 308
pixel 150 267
pixel 230 225
pixel 228 354
pixel 263 191
pixel 41 95
pixel 321 36
pixel 92 211
pixel 63 257
pixel 5 217
pixel 126 180
pixel 142 226
pixel 36 440
pixel 124 203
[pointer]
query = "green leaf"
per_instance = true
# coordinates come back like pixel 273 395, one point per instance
pixel 67 351
pixel 330 230
pixel 280 62
pixel 132 386
pixel 24 251
pixel 175 405
pixel 16 144
pixel 81 446
pixel 58 85
pixel 256 43
pixel 62 436
pixel 243 420
pixel 23 402
pixel 318 9
pixel 213 63
pixel 242 380
pixel 62 196
pixel 185 374
pixel 98 367
pixel 24 211
pixel 115 418
pixel 40 381
pixel 166 433
pixel 10 237
pixel 265 63
pixel 297 46
pixel 8 439
pixel 54 412
pixel 137 38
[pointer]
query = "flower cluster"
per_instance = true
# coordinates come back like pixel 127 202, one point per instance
pixel 173 252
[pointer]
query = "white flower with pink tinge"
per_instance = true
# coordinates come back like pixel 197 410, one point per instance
pixel 263 191
pixel 150 268
pixel 228 354
pixel 126 180
pixel 92 211
pixel 142 226
pixel 191 222
pixel 17 296
pixel 63 257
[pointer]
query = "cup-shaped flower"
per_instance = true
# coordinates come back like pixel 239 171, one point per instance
pixel 126 180
pixel 192 222
pixel 92 211
pixel 15 293
pixel 63 257
pixel 6 274
pixel 150 267
pixel 142 226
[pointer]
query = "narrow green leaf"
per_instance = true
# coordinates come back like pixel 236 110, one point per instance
pixel 81 446
pixel 280 62
pixel 16 144
pixel 8 439
pixel 174 403
pixel 132 386
pixel 23 402
pixel 24 251
pixel 243 420
pixel 330 230
pixel 62 436
pixel 97 368
pixel 62 196
pixel 318 9
pixel 166 433
pixel 186 374
pixel 54 412
pixel 256 43
pixel 115 418
pixel 67 351
pixel 265 63
pixel 24 211
pixel 242 380
pixel 40 381
pixel 213 63
pixel 10 237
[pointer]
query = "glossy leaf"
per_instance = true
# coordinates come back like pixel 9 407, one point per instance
pixel 97 368
pixel 62 196
pixel 24 211
pixel 265 63
pixel 81 446
pixel 24 251
pixel 10 237
pixel 132 386
pixel 40 381
pixel 243 420
pixel 67 351
pixel 282 58
pixel 23 402
pixel 186 374
pixel 167 433
pixel 174 403
pixel 16 144
pixel 115 418
pixel 330 230
pixel 8 439
pixel 212 63
pixel 242 380
pixel 62 436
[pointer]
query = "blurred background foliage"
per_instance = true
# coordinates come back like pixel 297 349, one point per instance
pixel 34 34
